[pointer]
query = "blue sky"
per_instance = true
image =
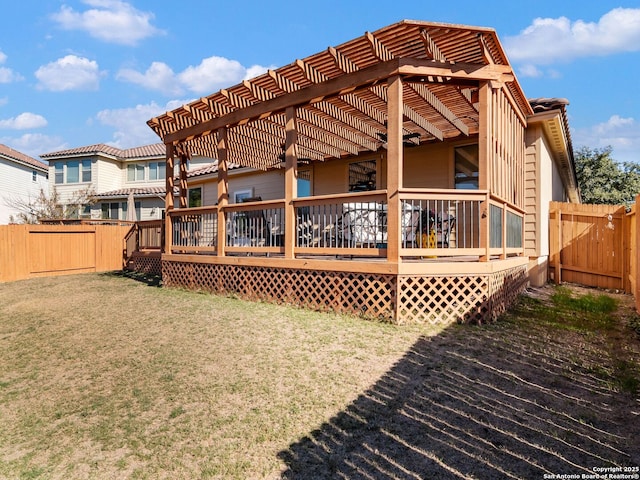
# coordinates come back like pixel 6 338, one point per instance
pixel 79 72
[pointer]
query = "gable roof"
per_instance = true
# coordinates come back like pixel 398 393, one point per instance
pixel 146 151
pixel 552 114
pixel 340 96
pixel 19 157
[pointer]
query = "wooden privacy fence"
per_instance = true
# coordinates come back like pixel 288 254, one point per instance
pixel 28 251
pixel 594 245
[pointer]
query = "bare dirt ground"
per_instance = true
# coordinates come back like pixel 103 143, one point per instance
pixel 518 399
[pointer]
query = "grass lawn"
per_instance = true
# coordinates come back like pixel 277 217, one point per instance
pixel 104 376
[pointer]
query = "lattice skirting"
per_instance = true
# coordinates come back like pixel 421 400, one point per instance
pixel 145 263
pixel 399 298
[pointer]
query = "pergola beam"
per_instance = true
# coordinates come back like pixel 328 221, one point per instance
pixel 344 84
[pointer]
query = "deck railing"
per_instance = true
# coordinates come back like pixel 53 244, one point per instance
pixel 434 223
pixel 194 230
pixel 149 234
pixel 255 227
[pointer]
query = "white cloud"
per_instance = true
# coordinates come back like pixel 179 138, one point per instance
pixel 530 71
pixel 212 74
pixel 24 121
pixel 158 76
pixel 209 76
pixel 131 129
pixel 35 144
pixel 112 21
pixel 622 134
pixel 69 73
pixel 549 40
pixel 255 71
pixel 6 74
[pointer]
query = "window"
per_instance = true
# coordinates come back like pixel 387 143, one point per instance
pixel 241 195
pixel 304 183
pixel 362 176
pixel 195 197
pixel 110 211
pixel 59 172
pixel 77 211
pixel 135 172
pixel 85 211
pixel 157 170
pixel 86 171
pixel 34 175
pixel 466 161
pixel 73 171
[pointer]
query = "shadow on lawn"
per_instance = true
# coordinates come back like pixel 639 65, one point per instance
pixel 147 278
pixel 482 402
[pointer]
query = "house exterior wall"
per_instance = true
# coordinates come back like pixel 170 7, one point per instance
pixel 16 183
pixel 429 166
pixel 543 184
pixel 108 174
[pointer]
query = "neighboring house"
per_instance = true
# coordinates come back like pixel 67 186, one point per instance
pixel 402 174
pixel 21 180
pixel 110 175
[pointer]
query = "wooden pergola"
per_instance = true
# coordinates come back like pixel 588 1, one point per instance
pixel 412 81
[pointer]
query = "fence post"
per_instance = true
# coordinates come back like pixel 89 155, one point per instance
pixel 636 257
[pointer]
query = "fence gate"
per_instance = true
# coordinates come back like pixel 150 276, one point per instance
pixel 589 245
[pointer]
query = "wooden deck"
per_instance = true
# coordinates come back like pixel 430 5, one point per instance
pixel 429 291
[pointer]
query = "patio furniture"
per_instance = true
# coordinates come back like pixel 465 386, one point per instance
pixel 365 224
pixel 438 225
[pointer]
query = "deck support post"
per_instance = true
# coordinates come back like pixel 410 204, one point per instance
pixel 394 166
pixel 485 158
pixel 168 199
pixel 223 189
pixel 290 182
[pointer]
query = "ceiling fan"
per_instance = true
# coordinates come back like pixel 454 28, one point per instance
pixel 405 138
pixel 281 157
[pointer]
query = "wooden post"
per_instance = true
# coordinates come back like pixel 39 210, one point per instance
pixel 485 157
pixel 184 158
pixel 223 189
pixel 168 199
pixel 394 167
pixel 558 274
pixel 290 182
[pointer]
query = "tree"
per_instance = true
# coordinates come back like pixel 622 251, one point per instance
pixel 602 180
pixel 47 206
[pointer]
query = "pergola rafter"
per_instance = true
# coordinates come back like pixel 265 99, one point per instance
pixel 340 96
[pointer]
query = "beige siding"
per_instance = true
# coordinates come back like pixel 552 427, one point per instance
pixel 429 167
pixel 106 174
pixel 16 183
pixel 531 204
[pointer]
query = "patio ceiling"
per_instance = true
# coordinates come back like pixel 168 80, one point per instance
pixel 340 96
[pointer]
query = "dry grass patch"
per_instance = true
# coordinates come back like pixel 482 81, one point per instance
pixel 102 376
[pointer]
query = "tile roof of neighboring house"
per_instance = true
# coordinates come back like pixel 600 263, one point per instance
pixel 544 104
pixel 155 150
pixel 137 192
pixel 210 169
pixel 19 157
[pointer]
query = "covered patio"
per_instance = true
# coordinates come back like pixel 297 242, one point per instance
pixel 392 239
